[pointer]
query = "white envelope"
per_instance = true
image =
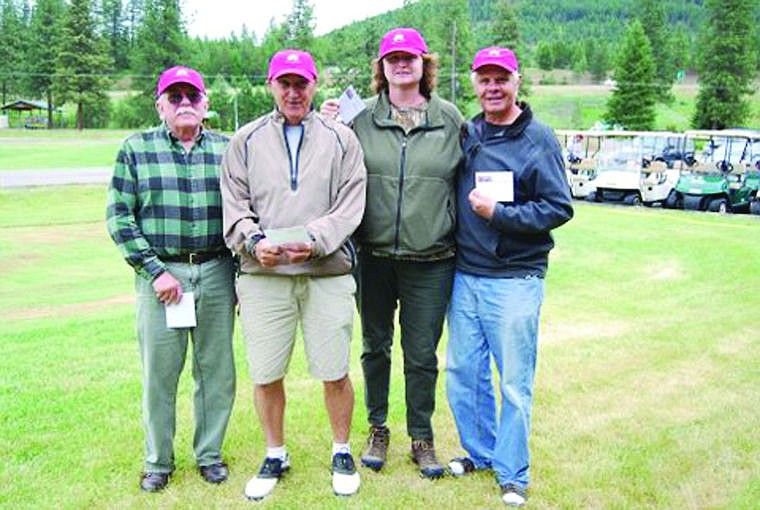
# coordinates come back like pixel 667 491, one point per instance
pixel 499 186
pixel 181 315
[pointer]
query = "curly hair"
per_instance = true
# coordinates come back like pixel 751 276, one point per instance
pixel 427 83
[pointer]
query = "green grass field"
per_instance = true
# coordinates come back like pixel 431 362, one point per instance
pixel 647 374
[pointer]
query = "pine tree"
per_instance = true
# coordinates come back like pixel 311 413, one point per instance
pixel 727 64
pixel 632 102
pixel 41 55
pixel 299 26
pixel 114 30
pixel 449 33
pixel 159 43
pixel 11 48
pixel 81 66
pixel 651 14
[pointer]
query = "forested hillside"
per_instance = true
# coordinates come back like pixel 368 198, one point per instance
pixel 71 51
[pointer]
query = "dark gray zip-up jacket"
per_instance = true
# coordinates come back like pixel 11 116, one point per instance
pixel 411 200
pixel 516 242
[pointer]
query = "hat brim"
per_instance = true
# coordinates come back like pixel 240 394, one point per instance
pixel 411 51
pixel 300 72
pixel 199 89
pixel 495 64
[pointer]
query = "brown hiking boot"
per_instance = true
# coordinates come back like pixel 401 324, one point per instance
pixel 377 447
pixel 423 454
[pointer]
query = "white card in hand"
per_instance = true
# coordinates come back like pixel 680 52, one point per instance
pixel 351 105
pixel 287 235
pixel 496 185
pixel 181 315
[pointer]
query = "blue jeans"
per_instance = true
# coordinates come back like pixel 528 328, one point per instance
pixel 494 317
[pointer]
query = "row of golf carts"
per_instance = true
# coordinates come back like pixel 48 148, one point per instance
pixel 698 170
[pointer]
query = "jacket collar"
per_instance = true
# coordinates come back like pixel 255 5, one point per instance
pixel 510 131
pixel 381 112
pixel 280 118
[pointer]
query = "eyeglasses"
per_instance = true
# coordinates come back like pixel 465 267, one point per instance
pixel 176 98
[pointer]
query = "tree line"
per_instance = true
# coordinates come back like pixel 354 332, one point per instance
pixel 75 51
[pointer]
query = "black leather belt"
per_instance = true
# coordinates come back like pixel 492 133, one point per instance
pixel 195 258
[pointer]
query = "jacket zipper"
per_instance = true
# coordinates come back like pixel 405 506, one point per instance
pixel 400 193
pixel 293 166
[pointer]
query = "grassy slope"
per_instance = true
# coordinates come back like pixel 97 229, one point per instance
pixel 647 374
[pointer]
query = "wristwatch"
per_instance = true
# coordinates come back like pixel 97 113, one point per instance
pixel 253 241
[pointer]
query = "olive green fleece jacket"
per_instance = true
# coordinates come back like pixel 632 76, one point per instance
pixel 411 198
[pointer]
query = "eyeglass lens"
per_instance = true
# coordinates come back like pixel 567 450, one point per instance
pixel 176 97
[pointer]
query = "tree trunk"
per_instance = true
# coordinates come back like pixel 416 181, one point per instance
pixel 80 116
pixel 50 108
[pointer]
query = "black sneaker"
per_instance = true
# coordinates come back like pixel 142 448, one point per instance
pixel 345 478
pixel 269 474
pixel 154 482
pixel 377 447
pixel 423 454
pixel 512 495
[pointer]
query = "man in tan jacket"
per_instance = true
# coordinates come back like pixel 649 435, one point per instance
pixel 293 188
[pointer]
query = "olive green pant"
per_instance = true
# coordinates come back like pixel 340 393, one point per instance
pixel 163 353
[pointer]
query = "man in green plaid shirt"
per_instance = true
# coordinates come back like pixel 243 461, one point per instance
pixel 164 214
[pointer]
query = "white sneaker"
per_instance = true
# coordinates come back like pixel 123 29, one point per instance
pixel 345 478
pixel 512 495
pixel 269 474
pixel 460 466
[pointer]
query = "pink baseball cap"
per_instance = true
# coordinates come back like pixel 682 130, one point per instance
pixel 495 56
pixel 180 74
pixel 407 40
pixel 292 62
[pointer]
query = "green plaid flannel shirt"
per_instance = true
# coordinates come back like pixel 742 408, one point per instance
pixel 163 201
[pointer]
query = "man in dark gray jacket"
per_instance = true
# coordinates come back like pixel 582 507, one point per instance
pixel 511 193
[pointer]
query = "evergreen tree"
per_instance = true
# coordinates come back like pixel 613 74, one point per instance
pixel 299 26
pixel 545 56
pixel 632 102
pixel 651 14
pixel 41 55
pixel 81 66
pixel 727 64
pixel 599 60
pixel 11 48
pixel 159 44
pixel 114 30
pixel 449 34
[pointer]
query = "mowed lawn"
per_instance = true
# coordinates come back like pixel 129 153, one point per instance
pixel 646 390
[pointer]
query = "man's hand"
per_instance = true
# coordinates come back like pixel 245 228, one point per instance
pixel 481 205
pixel 168 289
pixel 296 253
pixel 267 253
pixel 330 108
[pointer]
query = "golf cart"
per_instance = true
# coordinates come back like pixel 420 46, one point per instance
pixel 580 165
pixel 725 177
pixel 628 170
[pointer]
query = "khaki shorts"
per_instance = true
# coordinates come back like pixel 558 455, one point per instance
pixel 272 306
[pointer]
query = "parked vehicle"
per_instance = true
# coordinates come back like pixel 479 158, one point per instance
pixel 628 172
pixel 725 177
pixel 580 163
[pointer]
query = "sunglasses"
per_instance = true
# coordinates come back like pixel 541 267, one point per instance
pixel 176 98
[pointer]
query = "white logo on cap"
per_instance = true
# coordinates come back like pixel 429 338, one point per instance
pixel 398 38
pixel 181 72
pixel 292 58
pixel 494 53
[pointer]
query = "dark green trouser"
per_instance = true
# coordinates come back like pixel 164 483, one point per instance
pixel 421 290
pixel 163 354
